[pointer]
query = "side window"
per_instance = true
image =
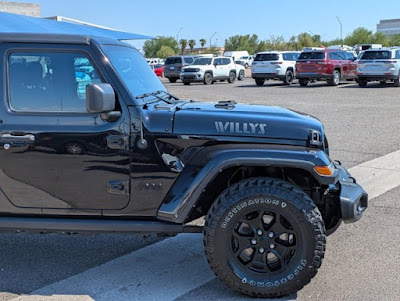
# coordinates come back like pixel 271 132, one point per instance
pixel 397 54
pixel 226 61
pixel 333 56
pixel 218 62
pixel 50 82
pixel 342 55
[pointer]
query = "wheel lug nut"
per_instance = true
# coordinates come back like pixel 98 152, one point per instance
pixel 272 246
pixel 271 234
pixel 259 232
pixel 262 250
pixel 253 241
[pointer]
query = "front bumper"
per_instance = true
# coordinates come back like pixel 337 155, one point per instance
pixel 353 198
pixel 192 76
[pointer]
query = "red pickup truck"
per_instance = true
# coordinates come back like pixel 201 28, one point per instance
pixel 330 65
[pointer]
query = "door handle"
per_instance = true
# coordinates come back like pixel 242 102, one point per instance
pixel 17 139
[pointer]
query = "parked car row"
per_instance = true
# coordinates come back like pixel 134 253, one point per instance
pixel 330 65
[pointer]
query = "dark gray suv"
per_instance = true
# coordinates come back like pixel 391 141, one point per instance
pixel 173 66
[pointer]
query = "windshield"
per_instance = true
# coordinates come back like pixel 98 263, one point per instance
pixel 202 61
pixel 173 61
pixel 376 55
pixel 267 57
pixel 133 70
pixel 312 56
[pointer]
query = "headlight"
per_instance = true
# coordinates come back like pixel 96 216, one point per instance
pixel 196 69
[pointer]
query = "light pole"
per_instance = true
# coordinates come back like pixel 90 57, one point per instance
pixel 177 35
pixel 212 37
pixel 216 42
pixel 341 30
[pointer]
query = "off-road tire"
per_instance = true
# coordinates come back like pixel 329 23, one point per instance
pixel 303 82
pixel 241 75
pixel 232 77
pixel 172 79
pixel 288 79
pixel 208 78
pixel 362 82
pixel 335 78
pixel 382 82
pixel 186 83
pixel 260 81
pixel 264 196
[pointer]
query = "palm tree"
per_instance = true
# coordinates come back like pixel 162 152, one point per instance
pixel 192 43
pixel 202 42
pixel 183 44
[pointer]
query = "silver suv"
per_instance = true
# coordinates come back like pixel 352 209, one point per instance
pixel 379 65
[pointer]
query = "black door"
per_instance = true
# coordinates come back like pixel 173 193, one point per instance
pixel 53 154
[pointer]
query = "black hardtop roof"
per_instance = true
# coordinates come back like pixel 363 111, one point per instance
pixel 55 39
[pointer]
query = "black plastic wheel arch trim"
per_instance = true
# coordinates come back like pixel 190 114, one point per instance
pixel 184 194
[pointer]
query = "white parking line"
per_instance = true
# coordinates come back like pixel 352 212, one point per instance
pixel 175 266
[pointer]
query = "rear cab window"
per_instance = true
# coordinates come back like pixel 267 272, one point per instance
pixel 312 55
pixel 377 55
pixel 267 57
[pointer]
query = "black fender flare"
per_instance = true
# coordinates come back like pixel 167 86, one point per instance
pixel 209 162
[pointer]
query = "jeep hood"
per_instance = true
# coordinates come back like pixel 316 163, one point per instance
pixel 241 120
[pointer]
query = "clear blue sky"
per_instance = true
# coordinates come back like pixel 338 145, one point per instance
pixel 200 19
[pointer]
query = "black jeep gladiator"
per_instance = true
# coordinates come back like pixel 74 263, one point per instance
pixel 91 141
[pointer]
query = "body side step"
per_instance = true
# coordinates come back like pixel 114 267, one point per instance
pixel 42 224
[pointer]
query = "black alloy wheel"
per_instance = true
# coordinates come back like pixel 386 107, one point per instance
pixel 288 80
pixel 264 237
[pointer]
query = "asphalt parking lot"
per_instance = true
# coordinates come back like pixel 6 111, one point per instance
pixel 361 262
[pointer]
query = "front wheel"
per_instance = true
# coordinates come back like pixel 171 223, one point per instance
pixel 172 79
pixel 241 75
pixel 288 80
pixel 208 79
pixel 186 83
pixel 263 237
pixel 303 82
pixel 232 77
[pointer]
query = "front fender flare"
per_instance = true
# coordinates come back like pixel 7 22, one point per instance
pixel 208 163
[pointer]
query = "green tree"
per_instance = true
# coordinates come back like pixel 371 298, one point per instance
pixel 380 38
pixel 202 42
pixel 165 51
pixel 242 42
pixel 183 43
pixel 192 43
pixel 359 35
pixel 152 47
pixel 305 40
pixel 394 40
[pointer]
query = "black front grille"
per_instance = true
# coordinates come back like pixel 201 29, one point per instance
pixel 190 70
pixel 188 77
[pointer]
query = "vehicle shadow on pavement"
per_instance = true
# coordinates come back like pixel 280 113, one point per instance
pixel 31 261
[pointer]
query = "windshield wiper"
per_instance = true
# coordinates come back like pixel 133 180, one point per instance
pixel 157 95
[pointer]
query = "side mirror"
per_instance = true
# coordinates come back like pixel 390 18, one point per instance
pixel 100 98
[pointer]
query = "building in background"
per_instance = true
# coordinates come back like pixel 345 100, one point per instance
pixel 28 9
pixel 389 27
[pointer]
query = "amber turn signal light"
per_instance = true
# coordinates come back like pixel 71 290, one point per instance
pixel 324 170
